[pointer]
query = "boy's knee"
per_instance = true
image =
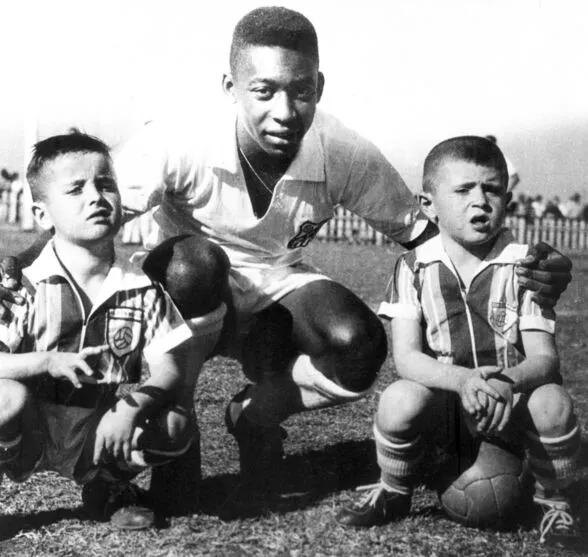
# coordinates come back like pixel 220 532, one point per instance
pixel 13 400
pixel 400 407
pixel 551 410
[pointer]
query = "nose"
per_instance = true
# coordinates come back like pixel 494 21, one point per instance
pixel 478 196
pixel 93 193
pixel 283 108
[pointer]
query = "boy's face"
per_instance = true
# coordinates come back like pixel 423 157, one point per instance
pixel 276 91
pixel 468 202
pixel 81 198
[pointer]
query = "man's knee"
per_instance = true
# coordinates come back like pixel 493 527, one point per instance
pixel 194 271
pixel 551 410
pixel 401 406
pixel 359 348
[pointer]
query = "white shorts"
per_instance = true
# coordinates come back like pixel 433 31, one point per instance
pixel 256 289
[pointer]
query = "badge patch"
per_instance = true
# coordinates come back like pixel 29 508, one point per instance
pixel 123 330
pixel 306 233
pixel 502 317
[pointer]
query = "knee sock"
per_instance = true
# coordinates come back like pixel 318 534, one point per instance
pixel 399 460
pixel 553 460
pixel 304 387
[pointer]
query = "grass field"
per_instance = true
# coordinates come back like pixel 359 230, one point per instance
pixel 328 454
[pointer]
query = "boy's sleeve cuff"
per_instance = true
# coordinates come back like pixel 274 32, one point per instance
pixel 389 311
pixel 536 323
pixel 168 342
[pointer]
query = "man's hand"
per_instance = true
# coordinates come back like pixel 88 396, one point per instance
pixel 546 272
pixel 10 281
pixel 497 412
pixel 67 365
pixel 114 434
pixel 474 384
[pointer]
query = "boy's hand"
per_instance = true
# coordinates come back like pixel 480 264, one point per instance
pixel 497 412
pixel 114 434
pixel 475 383
pixel 67 365
pixel 546 272
pixel 10 281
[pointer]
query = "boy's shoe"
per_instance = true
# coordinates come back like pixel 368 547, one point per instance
pixel 378 506
pixel 557 528
pixel 122 503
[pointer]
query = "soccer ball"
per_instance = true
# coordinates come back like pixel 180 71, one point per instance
pixel 490 491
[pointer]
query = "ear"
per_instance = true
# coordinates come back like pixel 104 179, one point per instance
pixel 229 86
pixel 42 215
pixel 320 86
pixel 427 205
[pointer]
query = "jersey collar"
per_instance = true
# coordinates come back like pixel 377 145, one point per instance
pixel 307 166
pixel 505 250
pixel 123 275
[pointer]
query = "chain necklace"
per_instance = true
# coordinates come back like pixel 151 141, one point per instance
pixel 259 178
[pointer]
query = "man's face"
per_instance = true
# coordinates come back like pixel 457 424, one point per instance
pixel 81 199
pixel 276 91
pixel 469 202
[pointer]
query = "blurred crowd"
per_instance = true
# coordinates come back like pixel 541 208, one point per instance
pixel 536 206
pixel 11 188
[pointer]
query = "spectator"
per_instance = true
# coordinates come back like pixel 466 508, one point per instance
pixel 552 209
pixel 538 206
pixel 573 207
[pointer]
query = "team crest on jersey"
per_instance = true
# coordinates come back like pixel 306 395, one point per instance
pixel 502 316
pixel 123 330
pixel 306 233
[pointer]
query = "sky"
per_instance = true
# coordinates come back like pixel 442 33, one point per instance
pixel 404 73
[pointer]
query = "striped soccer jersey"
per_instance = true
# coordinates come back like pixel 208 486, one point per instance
pixel 474 327
pixel 133 316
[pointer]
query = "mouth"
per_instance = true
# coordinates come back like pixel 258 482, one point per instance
pixel 283 137
pixel 102 214
pixel 480 222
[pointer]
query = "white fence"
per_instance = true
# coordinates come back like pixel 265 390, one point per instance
pixel 563 234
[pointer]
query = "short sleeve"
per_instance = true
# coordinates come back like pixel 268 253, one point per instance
pixel 141 165
pixel 165 328
pixel 534 317
pixel 402 298
pixel 14 323
pixel 377 193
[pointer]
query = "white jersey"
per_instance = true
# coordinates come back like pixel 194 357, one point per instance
pixel 193 174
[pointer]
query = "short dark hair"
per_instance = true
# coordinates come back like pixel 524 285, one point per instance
pixel 469 148
pixel 274 26
pixel 52 147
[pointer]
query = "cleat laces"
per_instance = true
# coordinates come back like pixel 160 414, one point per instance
pixel 558 519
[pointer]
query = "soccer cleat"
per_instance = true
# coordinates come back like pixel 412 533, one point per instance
pixel 378 506
pixel 121 503
pixel 557 527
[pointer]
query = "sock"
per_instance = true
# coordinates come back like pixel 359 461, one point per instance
pixel 399 461
pixel 10 450
pixel 553 460
pixel 316 390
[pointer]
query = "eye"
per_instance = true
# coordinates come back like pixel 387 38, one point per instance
pixel 305 92
pixel 106 184
pixel 263 93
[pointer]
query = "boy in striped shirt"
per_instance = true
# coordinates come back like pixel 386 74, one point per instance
pixel 87 321
pixel 464 331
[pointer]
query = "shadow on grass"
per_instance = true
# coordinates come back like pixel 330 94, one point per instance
pixel 307 477
pixel 14 524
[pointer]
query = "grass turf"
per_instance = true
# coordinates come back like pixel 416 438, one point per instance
pixel 328 453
